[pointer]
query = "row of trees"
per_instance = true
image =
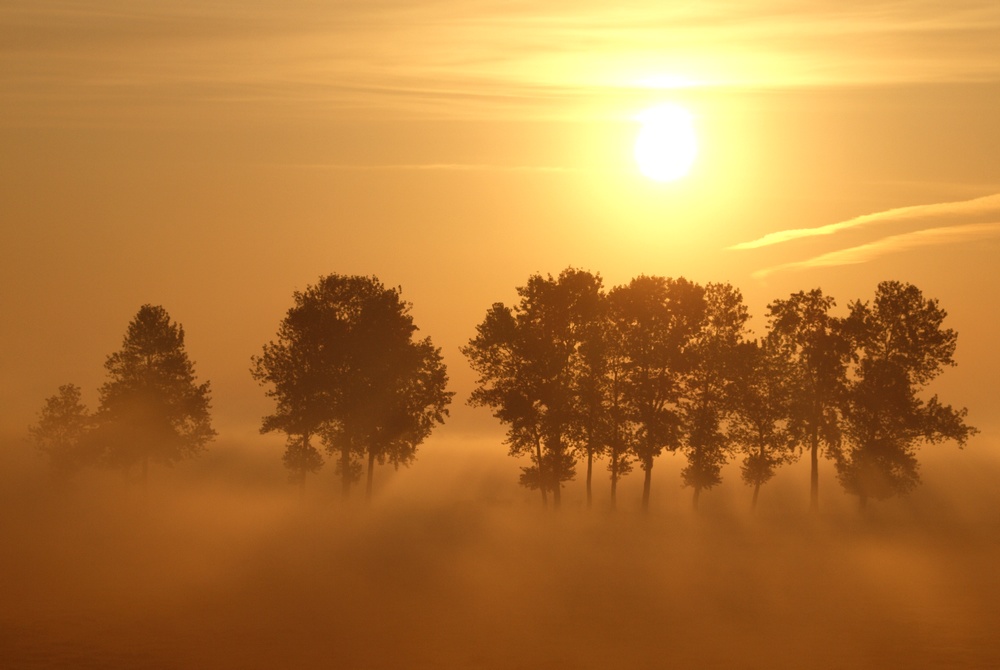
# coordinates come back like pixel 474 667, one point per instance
pixel 345 369
pixel 577 373
pixel 574 372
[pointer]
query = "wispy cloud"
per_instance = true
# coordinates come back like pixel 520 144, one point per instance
pixel 461 58
pixel 435 167
pixel 892 244
pixel 989 203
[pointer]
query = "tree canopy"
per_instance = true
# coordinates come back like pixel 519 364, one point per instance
pixel 62 429
pixel 152 409
pixel 346 368
pixel 535 371
pixel 900 346
pixel 661 364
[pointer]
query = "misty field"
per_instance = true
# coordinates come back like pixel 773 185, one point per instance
pixel 222 564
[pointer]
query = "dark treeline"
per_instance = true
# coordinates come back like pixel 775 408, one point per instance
pixel 578 375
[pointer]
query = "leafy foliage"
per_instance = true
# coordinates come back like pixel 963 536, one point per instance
pixel 900 346
pixel 346 367
pixel 62 430
pixel 151 407
pixel 708 387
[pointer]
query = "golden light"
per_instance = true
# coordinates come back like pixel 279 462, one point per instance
pixel 666 147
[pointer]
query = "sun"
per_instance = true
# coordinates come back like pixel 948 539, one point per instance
pixel 666 147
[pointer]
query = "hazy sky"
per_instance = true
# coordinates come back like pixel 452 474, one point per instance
pixel 213 157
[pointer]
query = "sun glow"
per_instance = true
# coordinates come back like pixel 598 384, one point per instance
pixel 666 147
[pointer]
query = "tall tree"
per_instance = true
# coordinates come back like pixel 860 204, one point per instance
pixel 758 420
pixel 152 409
pixel 812 340
pixel 534 374
pixel 655 321
pixel 708 386
pixel 618 429
pixel 588 420
pixel 900 347
pixel 61 431
pixel 345 367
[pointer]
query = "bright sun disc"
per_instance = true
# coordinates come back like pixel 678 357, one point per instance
pixel 666 146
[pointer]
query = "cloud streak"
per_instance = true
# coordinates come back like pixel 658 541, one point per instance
pixel 982 205
pixel 459 58
pixel 439 167
pixel 888 245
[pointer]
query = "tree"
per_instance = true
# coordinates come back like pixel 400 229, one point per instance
pixel 587 431
pixel 537 364
pixel 301 459
pixel 900 347
pixel 346 367
pixel 802 330
pixel 758 423
pixel 151 407
pixel 61 431
pixel 707 389
pixel 655 321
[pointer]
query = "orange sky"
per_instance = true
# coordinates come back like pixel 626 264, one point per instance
pixel 214 158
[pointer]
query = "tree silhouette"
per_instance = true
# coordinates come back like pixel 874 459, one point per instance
pixel 345 367
pixel 151 407
pixel 758 421
pixel 619 431
pixel 655 320
pixel 61 432
pixel 588 429
pixel 536 365
pixel 301 459
pixel 900 347
pixel 708 386
pixel 802 330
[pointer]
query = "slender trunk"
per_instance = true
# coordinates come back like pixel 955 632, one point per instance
pixel 863 501
pixel 614 480
pixel 756 490
pixel 145 473
pixel 371 474
pixel 694 499
pixel 590 469
pixel 814 474
pixel 648 467
pixel 345 471
pixel 302 478
pixel 541 474
pixel 556 494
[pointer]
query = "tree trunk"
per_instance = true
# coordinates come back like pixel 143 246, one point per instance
pixel 614 481
pixel 556 494
pixel 302 478
pixel 648 467
pixel 145 472
pixel 345 471
pixel 694 499
pixel 371 474
pixel 756 490
pixel 814 474
pixel 590 469
pixel 863 501
pixel 541 474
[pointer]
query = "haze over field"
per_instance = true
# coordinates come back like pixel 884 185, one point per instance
pixel 215 159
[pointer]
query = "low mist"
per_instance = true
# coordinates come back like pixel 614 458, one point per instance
pixel 221 563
